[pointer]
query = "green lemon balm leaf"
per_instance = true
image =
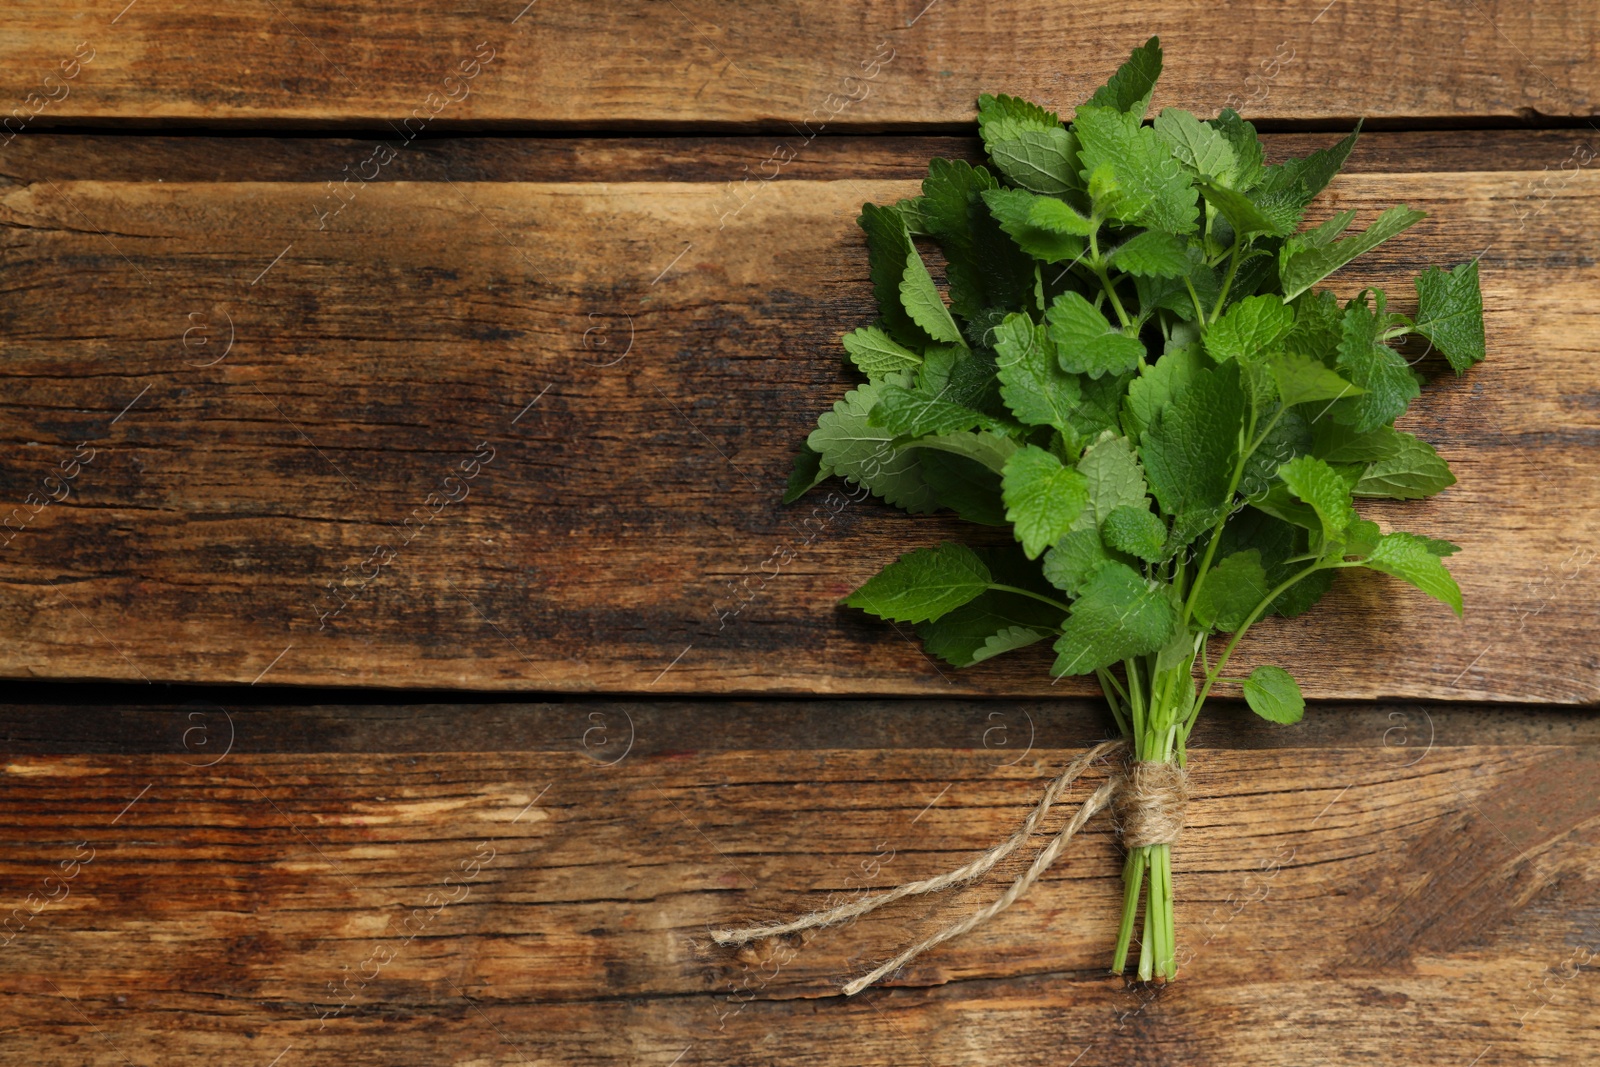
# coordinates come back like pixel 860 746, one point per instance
pixel 1249 330
pixel 1153 254
pixel 1002 117
pixel 1117 615
pixel 1303 263
pixel 1190 450
pixel 1042 497
pixel 875 353
pixel 1130 87
pixel 1319 485
pixel 1042 161
pixel 888 243
pixel 1072 561
pixel 1411 469
pixel 1450 313
pixel 1387 381
pixel 1032 383
pixel 923 585
pixel 1273 694
pixel 1137 531
pixel 1204 149
pixel 922 302
pixel 865 454
pixel 1013 210
pixel 1415 559
pixel 1139 182
pixel 1231 591
pixel 808 473
pixel 1301 379
pixel 1111 472
pixel 1086 342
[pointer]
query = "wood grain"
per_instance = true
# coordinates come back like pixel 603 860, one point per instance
pixel 1349 900
pixel 693 64
pixel 631 504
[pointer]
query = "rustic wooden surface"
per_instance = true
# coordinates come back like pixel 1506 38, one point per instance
pixel 1383 883
pixel 642 359
pixel 694 63
pixel 578 262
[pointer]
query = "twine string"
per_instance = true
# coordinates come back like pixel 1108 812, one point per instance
pixel 1148 800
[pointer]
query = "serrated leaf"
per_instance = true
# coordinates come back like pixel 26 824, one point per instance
pixel 876 354
pixel 990 449
pixel 1086 342
pixel 923 584
pixel 1002 117
pixel 1153 254
pixel 1318 327
pixel 995 621
pixel 977 631
pixel 1301 379
pixel 1415 559
pixel 1202 148
pixel 951 196
pixel 1111 473
pixel 1338 442
pixel 1116 616
pixel 1032 383
pixel 1249 330
pixel 1388 380
pixel 963 484
pixel 1042 497
pixel 1130 87
pixel 888 243
pixel 1450 313
pixel 1274 214
pixel 1054 215
pixel 1159 382
pixel 1246 147
pixel 1072 561
pixel 1012 209
pixel 1043 161
pixel 1410 471
pixel 921 299
pixel 1304 178
pixel 865 454
pixel 1302 265
pixel 1147 186
pixel 1135 530
pixel 1273 694
pixel 807 474
pixel 1320 486
pixel 904 411
pixel 1231 591
pixel 1190 449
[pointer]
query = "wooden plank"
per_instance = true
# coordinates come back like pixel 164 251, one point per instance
pixel 633 506
pixel 126 157
pixel 1359 901
pixel 696 65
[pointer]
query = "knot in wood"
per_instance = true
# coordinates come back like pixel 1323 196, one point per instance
pixel 1150 803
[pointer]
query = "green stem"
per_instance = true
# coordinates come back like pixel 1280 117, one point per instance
pixel 1132 882
pixel 1029 592
pixel 1200 313
pixel 1098 265
pixel 1111 291
pixel 1227 283
pixel 1250 620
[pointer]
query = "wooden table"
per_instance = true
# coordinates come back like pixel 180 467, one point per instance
pixel 271 272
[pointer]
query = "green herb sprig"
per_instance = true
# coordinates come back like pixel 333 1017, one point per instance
pixel 1134 373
